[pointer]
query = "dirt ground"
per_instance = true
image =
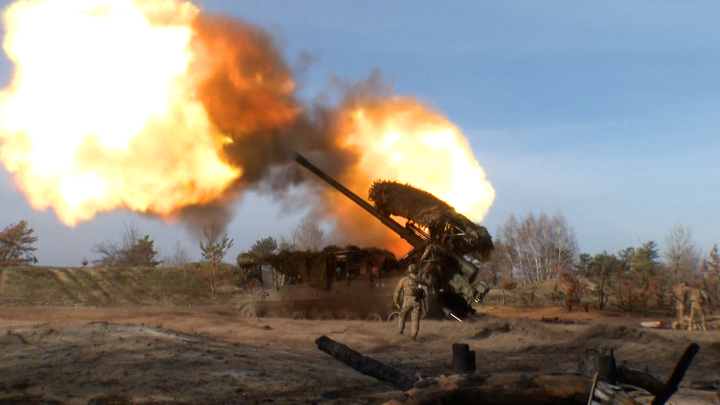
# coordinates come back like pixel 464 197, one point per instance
pixel 210 355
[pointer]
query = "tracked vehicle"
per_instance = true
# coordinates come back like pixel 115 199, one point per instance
pixel 446 246
pixel 335 283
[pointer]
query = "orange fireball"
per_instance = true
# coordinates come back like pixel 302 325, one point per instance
pixel 401 139
pixel 404 141
pixel 153 106
pixel 102 113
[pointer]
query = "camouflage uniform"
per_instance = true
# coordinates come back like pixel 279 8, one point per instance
pixel 409 292
pixel 680 293
pixel 431 269
pixel 698 298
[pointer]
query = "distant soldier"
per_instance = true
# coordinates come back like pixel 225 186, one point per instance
pixel 431 268
pixel 698 299
pixel 409 297
pixel 680 294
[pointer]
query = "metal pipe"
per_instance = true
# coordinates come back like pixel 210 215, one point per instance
pixel 411 237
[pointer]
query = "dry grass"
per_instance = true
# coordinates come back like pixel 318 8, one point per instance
pixel 110 287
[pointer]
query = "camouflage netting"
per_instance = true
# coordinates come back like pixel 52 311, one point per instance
pixel 318 268
pixel 444 223
pixel 403 200
pixel 305 267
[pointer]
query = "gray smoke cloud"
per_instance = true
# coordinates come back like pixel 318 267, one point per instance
pixel 268 124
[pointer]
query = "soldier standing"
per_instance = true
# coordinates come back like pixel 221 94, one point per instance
pixel 698 299
pixel 409 297
pixel 680 293
pixel 431 270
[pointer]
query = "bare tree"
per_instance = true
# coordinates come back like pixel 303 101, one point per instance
pixel 109 254
pixel 215 249
pixel 537 249
pixel 711 275
pixel 179 257
pixel 564 244
pixel 16 245
pixel 133 251
pixel 681 255
pixel 307 236
pixel 573 287
pixel 284 244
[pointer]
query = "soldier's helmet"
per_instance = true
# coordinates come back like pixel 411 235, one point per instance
pixel 412 269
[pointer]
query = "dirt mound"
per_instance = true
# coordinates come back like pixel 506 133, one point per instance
pixel 491 329
pixel 525 332
pixel 621 332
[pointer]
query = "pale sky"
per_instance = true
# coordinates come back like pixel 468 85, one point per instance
pixel 605 112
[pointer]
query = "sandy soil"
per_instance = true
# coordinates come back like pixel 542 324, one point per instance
pixel 209 355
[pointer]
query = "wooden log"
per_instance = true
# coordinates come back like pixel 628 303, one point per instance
pixel 677 375
pixel 640 379
pixel 364 364
pixel 502 389
pixel 602 362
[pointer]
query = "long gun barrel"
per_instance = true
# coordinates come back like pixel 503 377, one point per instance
pixel 459 277
pixel 404 232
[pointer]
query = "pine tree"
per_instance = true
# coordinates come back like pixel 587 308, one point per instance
pixel 215 250
pixel 16 245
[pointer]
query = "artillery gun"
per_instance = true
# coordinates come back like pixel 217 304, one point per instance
pixel 334 283
pixel 435 231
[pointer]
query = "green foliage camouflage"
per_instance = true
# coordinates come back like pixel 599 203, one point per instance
pixel 317 269
pixel 442 221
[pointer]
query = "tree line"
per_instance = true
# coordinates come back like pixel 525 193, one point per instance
pixel 135 249
pixel 538 248
pixel 541 248
pixel 528 250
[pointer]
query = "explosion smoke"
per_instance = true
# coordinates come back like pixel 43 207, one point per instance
pixel 157 107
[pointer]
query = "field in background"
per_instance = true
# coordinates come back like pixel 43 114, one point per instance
pixel 190 285
pixel 89 286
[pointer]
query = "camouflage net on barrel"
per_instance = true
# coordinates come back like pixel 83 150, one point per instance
pixel 393 198
pixel 442 221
